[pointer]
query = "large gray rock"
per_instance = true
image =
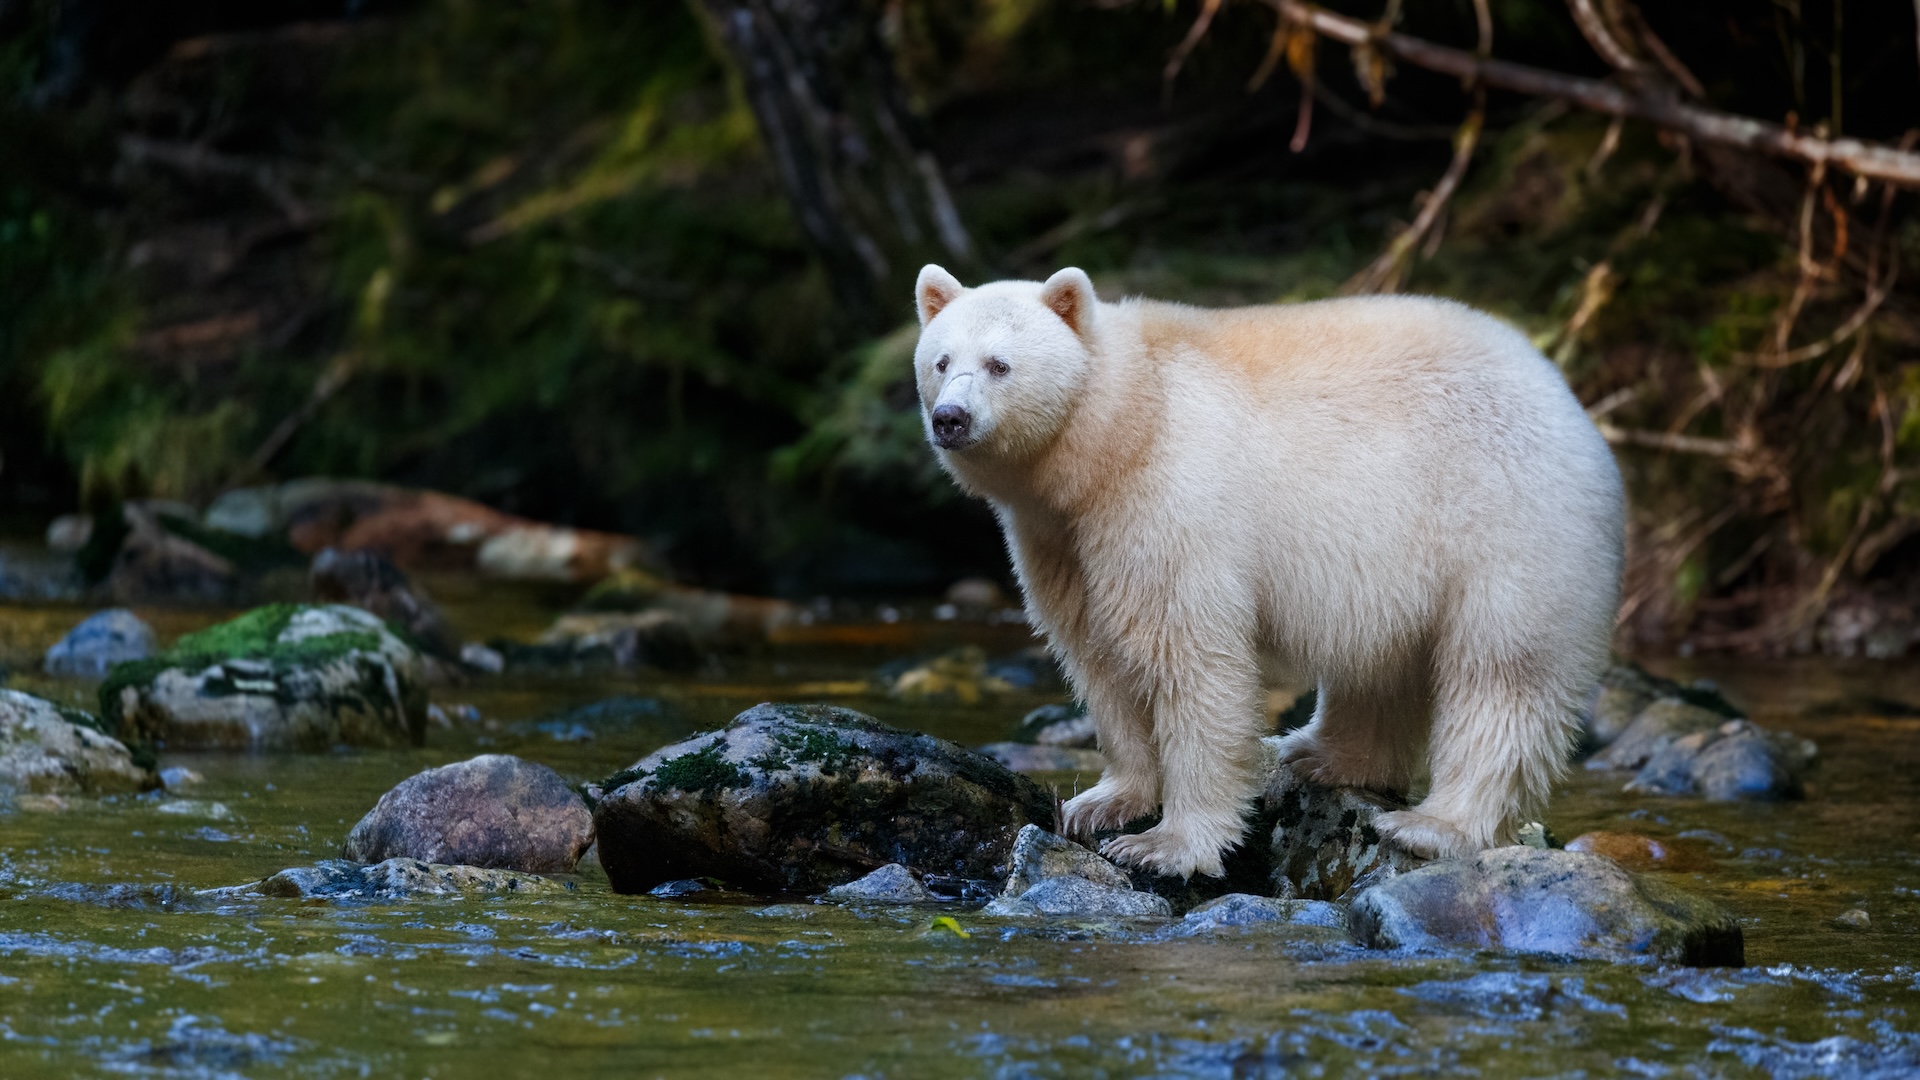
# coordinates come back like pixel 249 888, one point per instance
pixel 1736 762
pixel 391 881
pixel 48 750
pixel 1625 690
pixel 800 798
pixel 494 811
pixel 284 677
pixel 1554 902
pixel 102 640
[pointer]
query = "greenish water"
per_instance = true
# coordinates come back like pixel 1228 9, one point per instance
pixel 110 966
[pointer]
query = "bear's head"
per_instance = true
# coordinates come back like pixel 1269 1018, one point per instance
pixel 999 366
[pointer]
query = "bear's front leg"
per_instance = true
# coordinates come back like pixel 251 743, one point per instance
pixel 1207 721
pixel 1130 786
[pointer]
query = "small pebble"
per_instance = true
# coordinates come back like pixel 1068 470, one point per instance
pixel 1852 919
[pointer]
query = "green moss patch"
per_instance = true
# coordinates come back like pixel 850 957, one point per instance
pixel 705 769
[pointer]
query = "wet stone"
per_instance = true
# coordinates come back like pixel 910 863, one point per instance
pixel 647 639
pixel 891 884
pixel 392 880
pixel 958 677
pixel 800 798
pixel 1076 896
pixel 1058 725
pixel 1323 842
pixel 1032 758
pixel 47 750
pixel 1237 910
pixel 102 640
pixel 1853 919
pixel 1560 903
pixel 369 581
pixel 1657 725
pixel 1626 690
pixel 284 677
pixel 1038 855
pixel 495 810
pixel 1736 761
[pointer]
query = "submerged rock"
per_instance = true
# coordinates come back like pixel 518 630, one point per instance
pixel 48 750
pixel 891 884
pixel 1031 757
pixel 284 677
pixel 659 639
pixel 800 798
pixel 1076 896
pixel 1236 910
pixel 102 640
pixel 1637 852
pixel 1563 903
pixel 1738 761
pixel 369 581
pixel 712 619
pixel 495 811
pixel 392 880
pixel 959 677
pixel 1058 725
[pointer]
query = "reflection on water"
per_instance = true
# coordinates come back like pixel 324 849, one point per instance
pixel 109 963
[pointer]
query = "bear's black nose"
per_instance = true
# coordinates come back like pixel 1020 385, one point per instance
pixel 951 423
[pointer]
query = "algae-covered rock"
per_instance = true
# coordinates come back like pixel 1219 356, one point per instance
pixel 1554 902
pixel 1038 855
pixel 48 750
pixel 102 640
pixel 284 677
pixel 800 798
pixel 494 811
pixel 391 881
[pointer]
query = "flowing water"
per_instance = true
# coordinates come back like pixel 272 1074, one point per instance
pixel 110 964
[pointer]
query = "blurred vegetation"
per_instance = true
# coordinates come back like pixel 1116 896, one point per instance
pixel 537 253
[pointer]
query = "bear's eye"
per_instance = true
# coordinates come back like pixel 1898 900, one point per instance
pixel 941 364
pixel 997 366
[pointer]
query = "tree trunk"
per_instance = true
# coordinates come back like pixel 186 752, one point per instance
pixel 850 152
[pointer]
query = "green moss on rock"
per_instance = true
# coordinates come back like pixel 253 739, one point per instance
pixel 703 770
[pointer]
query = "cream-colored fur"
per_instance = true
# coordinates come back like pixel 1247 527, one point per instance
pixel 1397 497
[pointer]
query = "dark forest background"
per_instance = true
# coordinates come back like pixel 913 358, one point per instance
pixel 645 267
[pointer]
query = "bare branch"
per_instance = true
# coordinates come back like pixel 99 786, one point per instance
pixel 1594 28
pixel 1383 274
pixel 1873 160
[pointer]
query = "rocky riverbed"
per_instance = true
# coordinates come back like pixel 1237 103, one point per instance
pixel 208 928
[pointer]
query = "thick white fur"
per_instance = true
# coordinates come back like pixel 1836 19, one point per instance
pixel 1397 497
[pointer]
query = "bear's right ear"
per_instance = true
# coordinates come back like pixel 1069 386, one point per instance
pixel 934 291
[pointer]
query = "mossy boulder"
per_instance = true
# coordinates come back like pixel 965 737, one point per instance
pixel 801 798
pixel 49 750
pixel 1548 902
pixel 284 677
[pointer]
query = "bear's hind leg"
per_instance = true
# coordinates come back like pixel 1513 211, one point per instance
pixel 1502 727
pixel 1364 734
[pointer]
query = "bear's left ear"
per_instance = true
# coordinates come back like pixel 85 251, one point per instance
pixel 934 291
pixel 1069 294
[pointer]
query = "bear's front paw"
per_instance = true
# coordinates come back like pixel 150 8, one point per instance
pixel 1425 835
pixel 1105 805
pixel 1168 853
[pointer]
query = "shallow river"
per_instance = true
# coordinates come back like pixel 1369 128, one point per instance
pixel 110 965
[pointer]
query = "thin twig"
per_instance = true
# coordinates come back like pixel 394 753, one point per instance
pixel 1874 160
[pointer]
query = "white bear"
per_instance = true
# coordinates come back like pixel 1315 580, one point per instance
pixel 1396 497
